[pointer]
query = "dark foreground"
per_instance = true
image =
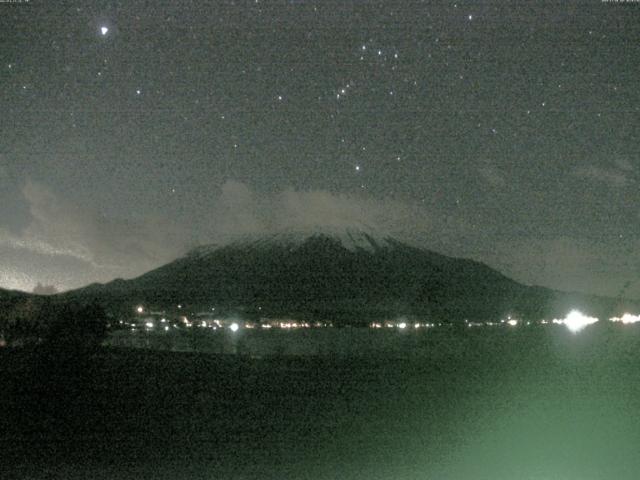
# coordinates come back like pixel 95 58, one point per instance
pixel 523 404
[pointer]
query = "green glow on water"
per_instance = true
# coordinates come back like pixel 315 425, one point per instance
pixel 516 403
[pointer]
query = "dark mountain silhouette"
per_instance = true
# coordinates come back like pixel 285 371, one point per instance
pixel 347 277
pixel 5 294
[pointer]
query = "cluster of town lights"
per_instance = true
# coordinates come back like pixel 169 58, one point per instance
pixel 575 321
pixel 626 318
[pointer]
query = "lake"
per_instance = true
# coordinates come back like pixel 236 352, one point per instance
pixel 520 403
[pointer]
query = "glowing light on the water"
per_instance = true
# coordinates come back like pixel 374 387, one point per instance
pixel 576 321
pixel 626 318
pixel 149 324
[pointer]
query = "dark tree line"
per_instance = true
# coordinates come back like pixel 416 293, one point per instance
pixel 38 321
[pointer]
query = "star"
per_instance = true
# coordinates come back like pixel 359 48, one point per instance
pixel 104 30
pixel 357 168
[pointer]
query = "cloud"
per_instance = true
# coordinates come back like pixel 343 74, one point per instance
pixel 492 175
pixel 612 177
pixel 570 264
pixel 239 210
pixel 313 209
pixel 68 245
pixel 108 247
pixel 624 164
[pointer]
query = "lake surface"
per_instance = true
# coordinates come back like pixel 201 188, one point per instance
pixel 522 403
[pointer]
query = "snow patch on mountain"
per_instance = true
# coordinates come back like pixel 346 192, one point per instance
pixel 352 239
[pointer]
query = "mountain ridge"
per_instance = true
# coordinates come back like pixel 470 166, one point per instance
pixel 347 276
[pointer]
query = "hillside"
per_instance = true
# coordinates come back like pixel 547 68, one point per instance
pixel 348 276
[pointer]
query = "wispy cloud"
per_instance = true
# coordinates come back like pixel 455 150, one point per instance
pixel 570 263
pixel 97 248
pixel 492 175
pixel 613 177
pixel 240 210
pixel 624 164
pixel 59 228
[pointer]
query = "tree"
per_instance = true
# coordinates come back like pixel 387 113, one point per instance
pixel 73 326
pixel 21 321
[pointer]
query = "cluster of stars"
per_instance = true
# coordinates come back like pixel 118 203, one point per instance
pixel 374 74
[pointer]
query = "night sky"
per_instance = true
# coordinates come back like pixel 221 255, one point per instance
pixel 506 132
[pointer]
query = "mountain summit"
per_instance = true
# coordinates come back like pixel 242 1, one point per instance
pixel 352 239
pixel 343 275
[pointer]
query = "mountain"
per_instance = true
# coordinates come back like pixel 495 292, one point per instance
pixel 8 293
pixel 12 295
pixel 346 276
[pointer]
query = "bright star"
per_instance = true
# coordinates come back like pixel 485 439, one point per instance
pixel 104 30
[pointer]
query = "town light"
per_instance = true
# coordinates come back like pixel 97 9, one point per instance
pixel 626 318
pixel 234 327
pixel 576 321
